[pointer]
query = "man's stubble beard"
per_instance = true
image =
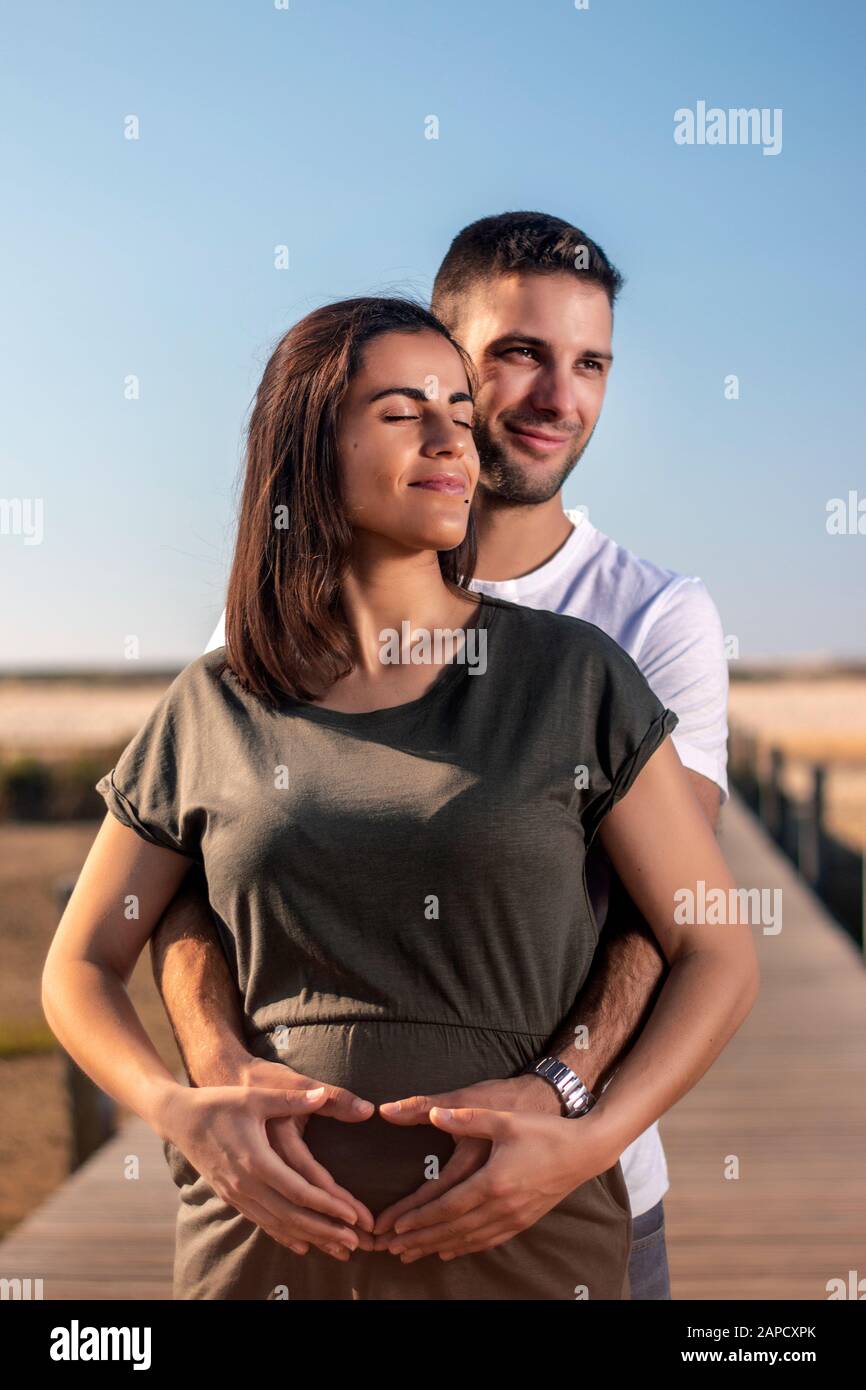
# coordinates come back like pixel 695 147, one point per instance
pixel 504 483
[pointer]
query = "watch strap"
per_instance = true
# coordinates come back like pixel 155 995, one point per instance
pixel 576 1098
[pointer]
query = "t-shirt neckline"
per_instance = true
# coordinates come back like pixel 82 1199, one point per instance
pixel 365 719
pixel 563 560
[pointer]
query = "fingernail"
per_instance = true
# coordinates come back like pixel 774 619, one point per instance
pixel 315 1093
pixel 445 1114
pixel 361 1106
pixel 390 1105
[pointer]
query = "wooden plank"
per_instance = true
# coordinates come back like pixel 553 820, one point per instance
pixel 103 1234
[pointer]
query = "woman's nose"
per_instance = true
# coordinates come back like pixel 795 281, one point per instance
pixel 450 442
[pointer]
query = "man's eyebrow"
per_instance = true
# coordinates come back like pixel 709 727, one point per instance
pixel 415 394
pixel 527 340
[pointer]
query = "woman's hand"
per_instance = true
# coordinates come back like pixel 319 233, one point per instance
pixel 223 1132
pixel 338 1104
pixel 470 1154
pixel 535 1162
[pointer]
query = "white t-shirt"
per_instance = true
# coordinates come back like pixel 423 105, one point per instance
pixel 671 628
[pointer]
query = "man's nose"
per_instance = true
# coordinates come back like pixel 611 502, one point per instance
pixel 555 392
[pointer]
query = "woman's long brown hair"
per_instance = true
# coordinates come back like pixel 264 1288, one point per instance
pixel 286 633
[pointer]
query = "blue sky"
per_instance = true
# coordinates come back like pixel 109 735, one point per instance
pixel 261 126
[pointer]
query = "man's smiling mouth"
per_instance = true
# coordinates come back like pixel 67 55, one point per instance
pixel 538 439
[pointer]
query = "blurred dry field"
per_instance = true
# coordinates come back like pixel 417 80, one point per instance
pixel 68 715
pixel 815 719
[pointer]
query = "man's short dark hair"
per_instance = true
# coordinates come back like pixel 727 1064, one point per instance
pixel 517 241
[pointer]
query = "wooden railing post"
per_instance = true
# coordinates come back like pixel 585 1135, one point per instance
pixel 771 794
pixel 92 1114
pixel 819 789
pixel 811 829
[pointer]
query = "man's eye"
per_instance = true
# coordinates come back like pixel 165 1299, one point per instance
pixel 530 352
pixel 467 423
pixel 591 362
pixel 401 417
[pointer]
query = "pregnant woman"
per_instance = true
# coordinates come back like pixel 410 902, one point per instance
pixel 391 784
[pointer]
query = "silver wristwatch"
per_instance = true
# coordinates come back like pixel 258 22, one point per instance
pixel 576 1098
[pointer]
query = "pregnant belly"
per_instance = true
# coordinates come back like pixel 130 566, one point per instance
pixel 377 1161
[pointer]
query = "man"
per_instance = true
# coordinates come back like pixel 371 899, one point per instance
pixel 531 297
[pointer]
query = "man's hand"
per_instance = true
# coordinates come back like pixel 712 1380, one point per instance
pixel 535 1161
pixel 530 1094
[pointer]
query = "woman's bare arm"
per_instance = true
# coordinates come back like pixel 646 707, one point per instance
pixel 660 843
pixel 122 890
pixel 121 893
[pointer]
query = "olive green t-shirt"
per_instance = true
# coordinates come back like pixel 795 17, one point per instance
pixel 400 894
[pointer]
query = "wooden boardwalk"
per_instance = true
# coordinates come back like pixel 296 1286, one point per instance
pixel 787 1098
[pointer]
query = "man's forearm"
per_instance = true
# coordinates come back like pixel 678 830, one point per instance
pixel 625 980
pixel 199 993
pixel 619 994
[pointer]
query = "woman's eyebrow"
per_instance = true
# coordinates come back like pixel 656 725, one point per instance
pixel 415 395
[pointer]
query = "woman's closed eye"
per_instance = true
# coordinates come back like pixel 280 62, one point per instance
pixel 467 423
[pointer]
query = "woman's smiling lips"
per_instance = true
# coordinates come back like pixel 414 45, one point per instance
pixel 452 483
pixel 537 439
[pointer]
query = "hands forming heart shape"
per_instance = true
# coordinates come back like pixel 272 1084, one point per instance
pixel 514 1159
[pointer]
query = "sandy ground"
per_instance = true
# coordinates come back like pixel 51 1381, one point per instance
pixel 813 721
pixel 50 716
pixel 831 711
